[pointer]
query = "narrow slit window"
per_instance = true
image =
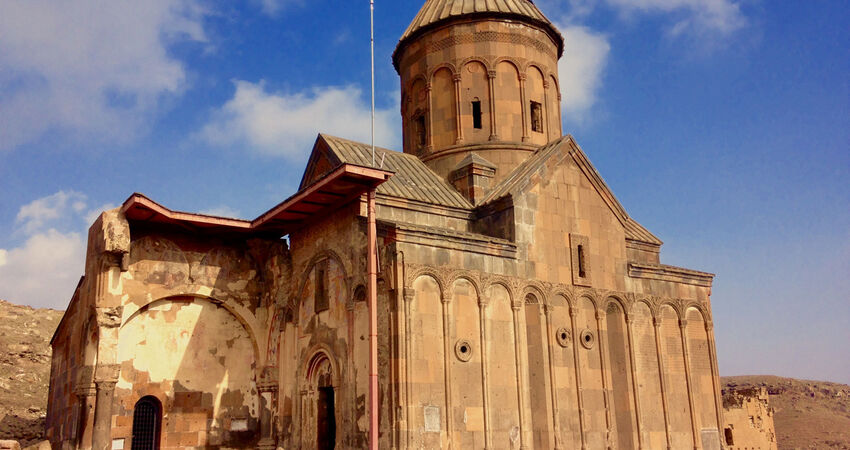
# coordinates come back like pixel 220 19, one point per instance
pixel 321 288
pixel 476 114
pixel 581 271
pixel 536 117
pixel 421 131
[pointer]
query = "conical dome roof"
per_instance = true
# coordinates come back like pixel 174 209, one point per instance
pixel 437 12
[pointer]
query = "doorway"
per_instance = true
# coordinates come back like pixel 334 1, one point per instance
pixel 326 419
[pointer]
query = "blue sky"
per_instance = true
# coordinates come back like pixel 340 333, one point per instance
pixel 721 125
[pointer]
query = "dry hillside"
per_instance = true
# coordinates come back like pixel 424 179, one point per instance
pixel 24 369
pixel 809 414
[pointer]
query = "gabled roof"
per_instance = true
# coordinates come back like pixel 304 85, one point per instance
pixel 437 12
pixel 413 180
pixel 522 179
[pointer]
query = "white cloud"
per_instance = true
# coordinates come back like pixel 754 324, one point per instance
pixel 581 69
pixel 44 269
pixel 286 124
pixel 35 215
pixel 273 7
pixel 89 68
pixel 700 16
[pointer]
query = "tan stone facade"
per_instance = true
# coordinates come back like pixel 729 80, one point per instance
pixel 748 420
pixel 519 306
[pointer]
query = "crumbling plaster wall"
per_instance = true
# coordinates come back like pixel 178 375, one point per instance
pixel 175 313
pixel 339 334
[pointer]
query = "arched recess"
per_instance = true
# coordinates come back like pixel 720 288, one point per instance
pixel 554 108
pixel 649 377
pixel 501 368
pixel 537 353
pixel 508 102
pixel 475 88
pixel 427 364
pixel 319 400
pixel 590 367
pixel 416 132
pixel 200 356
pixel 535 94
pixel 681 432
pixel 563 360
pixel 619 368
pixel 702 375
pixel 326 277
pixel 467 418
pixel 443 109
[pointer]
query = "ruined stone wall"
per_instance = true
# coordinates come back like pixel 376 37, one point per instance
pixel 325 343
pixel 748 420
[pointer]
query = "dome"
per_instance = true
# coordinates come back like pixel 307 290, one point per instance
pixel 439 12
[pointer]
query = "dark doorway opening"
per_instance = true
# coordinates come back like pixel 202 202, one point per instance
pixel 326 417
pixel 147 420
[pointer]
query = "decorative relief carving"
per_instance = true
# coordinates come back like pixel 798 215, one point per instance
pixel 587 338
pixel 563 336
pixel 492 36
pixel 463 350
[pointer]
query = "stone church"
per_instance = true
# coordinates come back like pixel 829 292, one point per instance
pixel 518 303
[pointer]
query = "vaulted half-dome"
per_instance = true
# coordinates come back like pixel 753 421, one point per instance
pixel 435 13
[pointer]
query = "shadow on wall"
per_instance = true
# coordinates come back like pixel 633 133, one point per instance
pixel 24 430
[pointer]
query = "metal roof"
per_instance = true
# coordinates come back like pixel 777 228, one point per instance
pixel 342 185
pixel 413 180
pixel 436 12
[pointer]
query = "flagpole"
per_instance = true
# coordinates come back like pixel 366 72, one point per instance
pixel 372 47
pixel 372 261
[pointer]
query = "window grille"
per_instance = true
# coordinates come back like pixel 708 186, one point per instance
pixel 146 423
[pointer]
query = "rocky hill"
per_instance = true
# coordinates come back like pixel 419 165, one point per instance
pixel 808 414
pixel 24 370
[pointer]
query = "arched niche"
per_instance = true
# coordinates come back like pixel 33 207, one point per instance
pixel 508 102
pixel 199 356
pixel 619 368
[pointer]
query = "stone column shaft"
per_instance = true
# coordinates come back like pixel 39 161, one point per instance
pixel 102 436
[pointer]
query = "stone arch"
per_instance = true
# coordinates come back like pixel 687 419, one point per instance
pixel 624 305
pixel 321 385
pixel 484 62
pixel 619 368
pixel 672 304
pixel 417 78
pixel 468 277
pixel 319 256
pixel 566 295
pixel 502 283
pixel 443 108
pixel 535 89
pixel 536 290
pixel 676 383
pixel 317 354
pixel 475 93
pixel 429 272
pixel 238 315
pixel 508 100
pixel 701 368
pixel 653 309
pixel 443 66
